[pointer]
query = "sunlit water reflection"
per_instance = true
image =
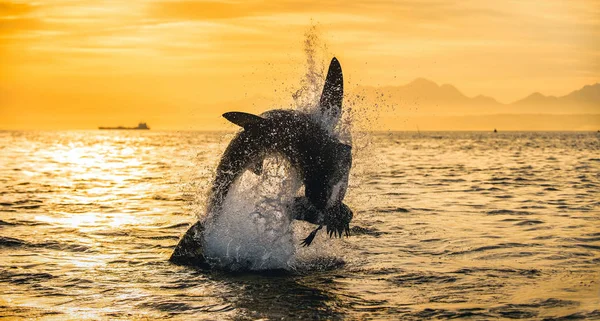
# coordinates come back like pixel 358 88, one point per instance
pixel 447 225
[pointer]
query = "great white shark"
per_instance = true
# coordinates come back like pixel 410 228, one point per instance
pixel 308 142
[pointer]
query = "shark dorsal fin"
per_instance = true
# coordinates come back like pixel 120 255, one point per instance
pixel 242 119
pixel 330 104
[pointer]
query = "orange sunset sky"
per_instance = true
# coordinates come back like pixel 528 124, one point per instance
pixel 78 64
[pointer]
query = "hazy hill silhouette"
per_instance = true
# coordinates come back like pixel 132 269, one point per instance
pixel 423 104
pixel 422 96
pixel 425 96
pixel 584 100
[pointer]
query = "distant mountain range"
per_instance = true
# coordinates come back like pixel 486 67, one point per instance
pixel 424 105
pixel 425 97
pixel 589 96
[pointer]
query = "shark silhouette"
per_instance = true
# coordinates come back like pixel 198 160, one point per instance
pixel 308 142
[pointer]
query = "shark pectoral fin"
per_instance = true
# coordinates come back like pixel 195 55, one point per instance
pixel 333 92
pixel 256 168
pixel 242 119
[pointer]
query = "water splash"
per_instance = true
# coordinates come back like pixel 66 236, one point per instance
pixel 252 231
pixel 306 98
pixel 255 229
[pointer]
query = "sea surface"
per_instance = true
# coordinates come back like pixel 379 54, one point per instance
pixel 447 225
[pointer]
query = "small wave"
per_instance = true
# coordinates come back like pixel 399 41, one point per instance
pixel 593 315
pixel 33 313
pixel 168 306
pixel 580 208
pixel 508 212
pixel 500 272
pixel 538 228
pixel 430 240
pixel 505 255
pixel 11 242
pixel 474 189
pixel 320 263
pixel 544 237
pixel 394 193
pixel 502 183
pixel 24 278
pixel 533 207
pixel 28 207
pixel 14 242
pixel 511 312
pixel 493 247
pixel 113 233
pixel 385 271
pixel 6 223
pixel 552 303
pixel 529 222
pixel 429 313
pixel 218 308
pixel 175 226
pixel 452 180
pixel 178 286
pixel 557 202
pixel 526 310
pixel 78 283
pixel 418 278
pixel 358 230
pixel 392 209
pixel 589 246
pixel 21 202
pixel 63 247
pixel 160 237
pixel 423 209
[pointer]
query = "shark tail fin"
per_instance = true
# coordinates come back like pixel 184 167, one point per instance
pixel 242 119
pixel 330 104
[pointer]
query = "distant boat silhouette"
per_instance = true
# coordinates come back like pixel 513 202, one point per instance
pixel 142 126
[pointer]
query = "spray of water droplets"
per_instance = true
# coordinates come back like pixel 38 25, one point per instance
pixel 254 229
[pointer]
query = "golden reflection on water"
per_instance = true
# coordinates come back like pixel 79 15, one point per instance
pixel 456 225
pixel 90 220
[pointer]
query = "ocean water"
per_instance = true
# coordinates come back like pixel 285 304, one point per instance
pixel 446 225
